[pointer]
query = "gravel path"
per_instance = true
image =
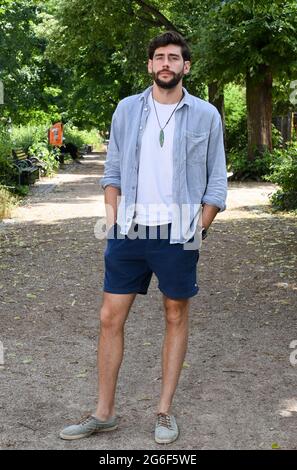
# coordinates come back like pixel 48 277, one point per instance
pixel 238 387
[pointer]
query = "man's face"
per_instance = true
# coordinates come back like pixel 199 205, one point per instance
pixel 168 67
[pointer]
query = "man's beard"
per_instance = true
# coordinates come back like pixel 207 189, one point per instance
pixel 176 78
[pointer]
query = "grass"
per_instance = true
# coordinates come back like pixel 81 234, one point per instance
pixel 7 202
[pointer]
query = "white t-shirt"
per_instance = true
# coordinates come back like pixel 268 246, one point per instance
pixel 154 186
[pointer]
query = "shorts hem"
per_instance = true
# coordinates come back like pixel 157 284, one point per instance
pixel 124 291
pixel 174 295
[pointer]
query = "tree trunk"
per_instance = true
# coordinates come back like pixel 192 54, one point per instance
pixel 259 111
pixel 216 97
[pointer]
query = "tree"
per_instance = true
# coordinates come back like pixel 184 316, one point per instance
pixel 106 45
pixel 256 40
pixel 32 83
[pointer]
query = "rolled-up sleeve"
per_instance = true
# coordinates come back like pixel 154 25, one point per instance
pixel 216 189
pixel 112 173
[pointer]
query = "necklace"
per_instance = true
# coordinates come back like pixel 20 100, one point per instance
pixel 161 135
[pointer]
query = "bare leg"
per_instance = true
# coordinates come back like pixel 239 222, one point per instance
pixel 114 312
pixel 174 348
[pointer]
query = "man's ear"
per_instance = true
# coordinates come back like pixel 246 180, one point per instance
pixel 187 66
pixel 150 66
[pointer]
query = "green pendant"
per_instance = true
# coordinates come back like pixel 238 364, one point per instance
pixel 161 137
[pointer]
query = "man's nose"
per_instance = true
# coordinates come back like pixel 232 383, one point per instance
pixel 166 62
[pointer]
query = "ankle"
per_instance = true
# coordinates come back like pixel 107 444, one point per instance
pixel 164 410
pixel 104 415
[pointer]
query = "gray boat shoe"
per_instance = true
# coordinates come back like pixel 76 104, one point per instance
pixel 87 426
pixel 166 430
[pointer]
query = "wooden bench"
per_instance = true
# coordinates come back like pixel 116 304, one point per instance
pixel 20 154
pixel 28 172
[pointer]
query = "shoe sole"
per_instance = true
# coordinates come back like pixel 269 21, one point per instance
pixel 165 441
pixel 80 436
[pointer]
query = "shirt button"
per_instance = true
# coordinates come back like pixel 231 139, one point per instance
pixel 145 109
pixel 140 128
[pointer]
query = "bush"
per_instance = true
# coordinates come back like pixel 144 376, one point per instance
pixel 34 140
pixel 7 201
pixel 283 172
pixel 26 136
pixel 47 154
pixel 243 168
pixel 258 168
pixel 235 117
pixel 7 171
pixel 81 137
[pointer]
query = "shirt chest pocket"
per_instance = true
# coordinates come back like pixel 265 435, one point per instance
pixel 196 147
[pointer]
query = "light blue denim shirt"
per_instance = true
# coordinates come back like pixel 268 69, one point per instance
pixel 199 165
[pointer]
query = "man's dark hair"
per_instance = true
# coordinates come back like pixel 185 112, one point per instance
pixel 170 37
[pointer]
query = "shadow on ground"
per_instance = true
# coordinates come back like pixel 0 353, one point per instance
pixel 237 389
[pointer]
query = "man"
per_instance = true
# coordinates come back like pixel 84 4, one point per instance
pixel 72 149
pixel 165 161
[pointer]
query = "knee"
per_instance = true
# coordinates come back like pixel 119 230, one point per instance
pixel 109 320
pixel 176 317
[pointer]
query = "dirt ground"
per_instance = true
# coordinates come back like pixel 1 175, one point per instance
pixel 238 387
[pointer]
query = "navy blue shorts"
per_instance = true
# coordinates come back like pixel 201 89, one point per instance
pixel 130 263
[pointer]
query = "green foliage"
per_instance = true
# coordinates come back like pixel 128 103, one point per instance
pixel 27 135
pixel 284 174
pixel 105 45
pixel 7 171
pixel 254 40
pixel 46 154
pixel 33 86
pixel 75 60
pixel 256 169
pixel 281 94
pixel 235 116
pixel 20 190
pixel 34 140
pixel 81 137
pixel 239 36
pixel 243 168
pixel 5 141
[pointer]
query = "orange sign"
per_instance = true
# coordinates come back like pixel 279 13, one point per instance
pixel 55 134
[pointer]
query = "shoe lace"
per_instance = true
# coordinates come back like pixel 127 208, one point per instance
pixel 85 418
pixel 164 420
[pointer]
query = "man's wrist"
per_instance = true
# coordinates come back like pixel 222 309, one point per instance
pixel 110 225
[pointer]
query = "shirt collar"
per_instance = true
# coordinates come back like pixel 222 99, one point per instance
pixel 145 94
